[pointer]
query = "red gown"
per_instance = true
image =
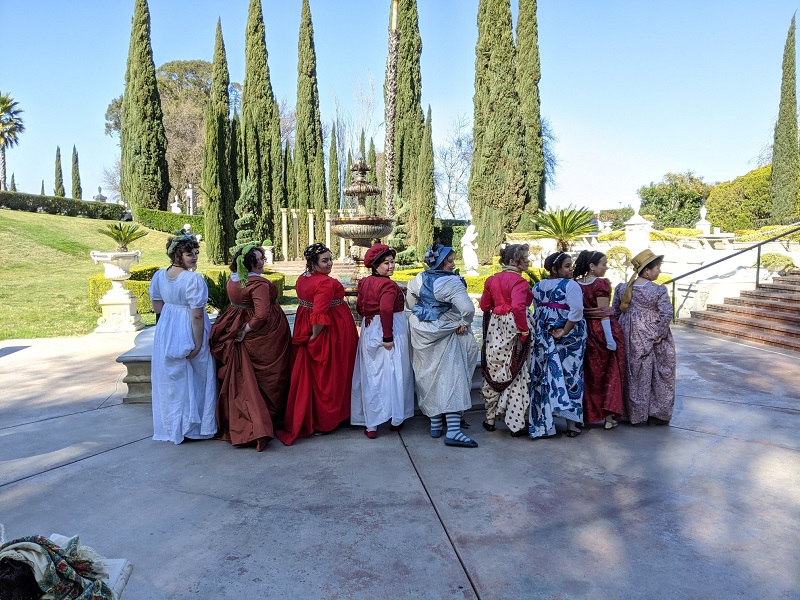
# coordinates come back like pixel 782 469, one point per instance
pixel 603 370
pixel 254 374
pixel 322 375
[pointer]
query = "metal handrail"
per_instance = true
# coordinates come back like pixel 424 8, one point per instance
pixel 716 262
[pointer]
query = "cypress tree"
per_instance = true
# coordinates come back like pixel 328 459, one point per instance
pixel 245 207
pixel 77 191
pixel 785 152
pixel 59 191
pixel 409 119
pixel 309 159
pixel 497 174
pixel 13 187
pixel 372 177
pixel 216 157
pixel 528 76
pixel 144 176
pixel 333 184
pixel 291 196
pixel 261 136
pixel 41 193
pixel 234 176
pixel 425 191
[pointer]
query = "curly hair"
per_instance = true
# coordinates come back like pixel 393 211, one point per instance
pixel 249 259
pixel 586 258
pixel 512 252
pixel 555 261
pixel 312 254
pixel 179 249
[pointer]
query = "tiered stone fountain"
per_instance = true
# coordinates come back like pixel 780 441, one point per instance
pixel 363 229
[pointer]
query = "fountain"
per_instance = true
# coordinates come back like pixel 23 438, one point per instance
pixel 363 229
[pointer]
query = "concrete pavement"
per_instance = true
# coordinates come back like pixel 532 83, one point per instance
pixel 706 508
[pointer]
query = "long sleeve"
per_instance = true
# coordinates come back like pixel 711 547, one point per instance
pixel 487 299
pixel 453 291
pixel 665 312
pixel 386 311
pixel 520 300
pixel 323 296
pixel 618 292
pixel 260 294
pixel 575 301
pixel 412 291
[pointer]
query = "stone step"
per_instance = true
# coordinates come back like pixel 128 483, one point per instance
pixel 790 279
pixel 743 333
pixel 775 305
pixel 794 271
pixel 783 287
pixel 732 319
pixel 771 294
pixel 764 314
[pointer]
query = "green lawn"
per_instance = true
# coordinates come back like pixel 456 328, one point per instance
pixel 45 269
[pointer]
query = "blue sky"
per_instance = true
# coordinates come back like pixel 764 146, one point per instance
pixel 632 89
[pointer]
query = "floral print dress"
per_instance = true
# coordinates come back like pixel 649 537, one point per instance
pixel 557 365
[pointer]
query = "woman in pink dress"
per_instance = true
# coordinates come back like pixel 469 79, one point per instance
pixel 604 362
pixel 325 341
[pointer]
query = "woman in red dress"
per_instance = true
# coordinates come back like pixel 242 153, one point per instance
pixel 252 344
pixel 604 362
pixel 325 342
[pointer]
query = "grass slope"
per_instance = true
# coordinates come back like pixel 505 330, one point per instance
pixel 45 269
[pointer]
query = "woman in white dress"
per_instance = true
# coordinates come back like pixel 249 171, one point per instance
pixel 182 374
pixel 444 352
pixel 383 382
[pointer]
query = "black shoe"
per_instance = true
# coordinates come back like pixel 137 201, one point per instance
pixel 656 421
pixel 520 433
pixel 464 424
pixel 488 427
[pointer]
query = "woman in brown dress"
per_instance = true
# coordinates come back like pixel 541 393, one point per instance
pixel 252 344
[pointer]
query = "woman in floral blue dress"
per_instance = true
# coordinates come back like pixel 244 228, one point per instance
pixel 558 348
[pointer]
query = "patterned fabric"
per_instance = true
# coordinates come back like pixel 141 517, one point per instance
pixel 650 351
pixel 500 340
pixel 557 365
pixel 308 304
pixel 66 574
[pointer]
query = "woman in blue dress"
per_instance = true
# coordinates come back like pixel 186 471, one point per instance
pixel 558 348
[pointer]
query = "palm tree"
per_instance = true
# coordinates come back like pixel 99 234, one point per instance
pixel 11 126
pixel 123 234
pixel 563 224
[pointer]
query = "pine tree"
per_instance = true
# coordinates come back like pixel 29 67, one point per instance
pixel 309 159
pixel 333 184
pixel 42 192
pixel 785 151
pixel 144 176
pixel 261 136
pixel 77 191
pixel 216 157
pixel 425 191
pixel 13 187
pixel 528 76
pixel 409 119
pixel 497 174
pixel 234 174
pixel 59 191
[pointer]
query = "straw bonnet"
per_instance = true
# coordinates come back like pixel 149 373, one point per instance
pixel 644 258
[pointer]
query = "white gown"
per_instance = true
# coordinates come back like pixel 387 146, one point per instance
pixel 383 382
pixel 443 361
pixel 184 391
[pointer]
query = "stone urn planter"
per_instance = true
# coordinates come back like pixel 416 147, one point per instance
pixel 269 254
pixel 119 305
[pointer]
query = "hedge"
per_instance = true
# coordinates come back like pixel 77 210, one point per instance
pixel 779 263
pixel 139 286
pixel 168 222
pixel 61 206
pixel 449 233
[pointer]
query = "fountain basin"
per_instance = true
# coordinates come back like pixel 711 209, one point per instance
pixel 362 230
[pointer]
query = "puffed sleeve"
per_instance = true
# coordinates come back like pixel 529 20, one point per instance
pixel 603 288
pixel 260 295
pixel 196 291
pixel 575 301
pixel 323 296
pixel 487 300
pixel 155 286
pixel 665 311
pixel 520 294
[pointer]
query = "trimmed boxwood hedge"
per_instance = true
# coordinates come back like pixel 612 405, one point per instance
pixel 168 222
pixel 139 286
pixel 61 206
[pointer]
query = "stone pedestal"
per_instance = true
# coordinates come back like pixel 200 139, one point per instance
pixel 118 305
pixel 637 233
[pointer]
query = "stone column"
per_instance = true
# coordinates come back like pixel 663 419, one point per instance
pixel 295 240
pixel 342 254
pixel 310 226
pixel 327 227
pixel 284 234
pixel 637 233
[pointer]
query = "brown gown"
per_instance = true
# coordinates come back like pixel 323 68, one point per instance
pixel 254 374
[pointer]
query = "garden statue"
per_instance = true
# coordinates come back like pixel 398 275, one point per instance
pixel 175 206
pixel 468 247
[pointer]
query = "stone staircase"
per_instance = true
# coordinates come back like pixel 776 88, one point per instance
pixel 769 315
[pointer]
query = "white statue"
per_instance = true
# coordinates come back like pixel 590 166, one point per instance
pixel 175 206
pixel 468 247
